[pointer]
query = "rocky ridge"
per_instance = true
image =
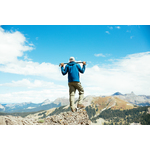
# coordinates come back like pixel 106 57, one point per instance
pixel 141 100
pixel 66 118
pixel 17 120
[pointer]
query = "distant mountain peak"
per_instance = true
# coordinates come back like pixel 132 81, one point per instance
pixel 117 93
pixel 61 100
pixel 132 93
pixel 47 101
pixel 2 107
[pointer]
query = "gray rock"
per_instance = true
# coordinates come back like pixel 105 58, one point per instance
pixel 2 120
pixel 69 118
pixel 64 118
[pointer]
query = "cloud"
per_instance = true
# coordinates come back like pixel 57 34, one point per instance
pixel 31 44
pixel 128 31
pixel 107 32
pixel 131 73
pixel 99 55
pixel 42 90
pixel 118 27
pixel 131 37
pixel 34 96
pixel 21 67
pixel 110 28
pixel 26 57
pixel 28 84
pixel 12 46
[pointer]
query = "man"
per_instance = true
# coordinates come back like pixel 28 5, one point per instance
pixel 73 69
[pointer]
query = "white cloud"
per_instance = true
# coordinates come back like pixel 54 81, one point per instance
pixel 28 84
pixel 33 68
pixel 31 44
pixel 33 95
pixel 131 37
pixel 99 55
pixel 107 32
pixel 132 73
pixel 128 31
pixel 110 28
pixel 118 27
pixel 26 57
pixel 12 46
pixel 44 90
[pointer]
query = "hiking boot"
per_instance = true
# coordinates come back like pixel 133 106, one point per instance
pixel 80 106
pixel 73 110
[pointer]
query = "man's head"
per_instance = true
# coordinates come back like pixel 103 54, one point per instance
pixel 71 59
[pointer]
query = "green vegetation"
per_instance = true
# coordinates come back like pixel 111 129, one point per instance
pixel 125 117
pixel 41 121
pixel 90 111
pixel 42 113
pixel 22 114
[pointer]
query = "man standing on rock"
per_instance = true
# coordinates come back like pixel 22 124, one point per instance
pixel 73 69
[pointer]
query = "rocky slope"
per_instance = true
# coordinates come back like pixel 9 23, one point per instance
pixel 94 106
pixel 66 118
pixel 17 120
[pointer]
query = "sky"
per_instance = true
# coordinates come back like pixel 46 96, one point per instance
pixel 117 56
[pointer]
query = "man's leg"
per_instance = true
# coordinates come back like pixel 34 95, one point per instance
pixel 81 92
pixel 72 91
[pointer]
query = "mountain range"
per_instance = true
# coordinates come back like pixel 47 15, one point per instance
pixel 100 110
pixel 32 107
pixel 140 100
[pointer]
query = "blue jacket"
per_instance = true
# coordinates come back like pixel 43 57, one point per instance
pixel 73 70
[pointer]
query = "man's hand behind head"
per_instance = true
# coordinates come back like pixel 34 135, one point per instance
pixel 62 64
pixel 84 63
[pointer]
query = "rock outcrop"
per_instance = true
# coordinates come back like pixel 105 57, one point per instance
pixel 17 120
pixel 66 118
pixel 135 123
pixel 148 112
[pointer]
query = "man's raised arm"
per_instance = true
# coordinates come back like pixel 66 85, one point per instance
pixel 83 68
pixel 64 71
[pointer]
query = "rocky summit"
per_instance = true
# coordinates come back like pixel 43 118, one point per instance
pixel 17 120
pixel 68 118
pixel 65 118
